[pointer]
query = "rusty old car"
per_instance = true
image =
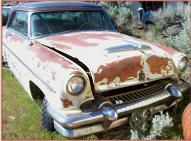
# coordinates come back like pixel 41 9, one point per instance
pixel 89 77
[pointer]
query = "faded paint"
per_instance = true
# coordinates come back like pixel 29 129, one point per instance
pixel 91 50
pixel 46 55
pixel 16 38
pixel 157 64
pixel 81 39
pixel 124 69
pixel 106 66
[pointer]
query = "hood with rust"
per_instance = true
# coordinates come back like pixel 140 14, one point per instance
pixel 115 60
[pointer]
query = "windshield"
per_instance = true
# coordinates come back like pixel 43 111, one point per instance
pixel 47 23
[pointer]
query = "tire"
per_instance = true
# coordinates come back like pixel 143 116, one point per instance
pixel 46 120
pixel 4 63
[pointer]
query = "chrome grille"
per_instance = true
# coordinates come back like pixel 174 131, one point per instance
pixel 135 95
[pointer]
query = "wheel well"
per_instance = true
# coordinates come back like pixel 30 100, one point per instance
pixel 36 92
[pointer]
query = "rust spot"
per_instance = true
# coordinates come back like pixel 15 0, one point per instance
pixel 67 103
pixel 123 69
pixel 157 64
pixel 53 75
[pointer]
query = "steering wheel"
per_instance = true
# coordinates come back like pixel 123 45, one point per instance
pixel 87 25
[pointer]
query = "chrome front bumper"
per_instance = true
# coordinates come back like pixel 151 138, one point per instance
pixel 81 124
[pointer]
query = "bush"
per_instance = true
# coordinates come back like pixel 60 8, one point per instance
pixel 171 25
pixel 120 13
pixel 159 123
pixel 174 25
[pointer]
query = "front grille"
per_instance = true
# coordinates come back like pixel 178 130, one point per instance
pixel 135 95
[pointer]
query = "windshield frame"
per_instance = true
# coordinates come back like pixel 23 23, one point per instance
pixel 106 16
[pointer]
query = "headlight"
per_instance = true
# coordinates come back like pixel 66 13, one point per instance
pixel 182 64
pixel 75 85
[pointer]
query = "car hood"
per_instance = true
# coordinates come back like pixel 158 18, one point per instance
pixel 114 60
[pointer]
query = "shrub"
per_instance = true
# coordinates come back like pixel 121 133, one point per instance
pixel 120 13
pixel 174 25
pixel 159 123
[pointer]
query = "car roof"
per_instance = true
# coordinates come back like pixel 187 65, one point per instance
pixel 34 5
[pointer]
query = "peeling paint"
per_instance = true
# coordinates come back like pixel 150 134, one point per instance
pixel 157 64
pixel 67 103
pixel 123 69
pixel 46 55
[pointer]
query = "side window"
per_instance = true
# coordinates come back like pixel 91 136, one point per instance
pixel 5 15
pixel 18 22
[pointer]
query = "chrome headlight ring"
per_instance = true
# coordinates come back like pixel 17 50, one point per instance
pixel 181 62
pixel 76 85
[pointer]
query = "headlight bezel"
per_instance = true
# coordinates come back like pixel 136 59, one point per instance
pixel 81 91
pixel 184 60
pixel 177 59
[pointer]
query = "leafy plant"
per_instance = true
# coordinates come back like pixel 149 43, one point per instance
pixel 159 123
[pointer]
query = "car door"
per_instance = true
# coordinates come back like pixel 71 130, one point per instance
pixel 15 43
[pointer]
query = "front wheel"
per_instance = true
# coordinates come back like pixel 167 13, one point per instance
pixel 46 120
